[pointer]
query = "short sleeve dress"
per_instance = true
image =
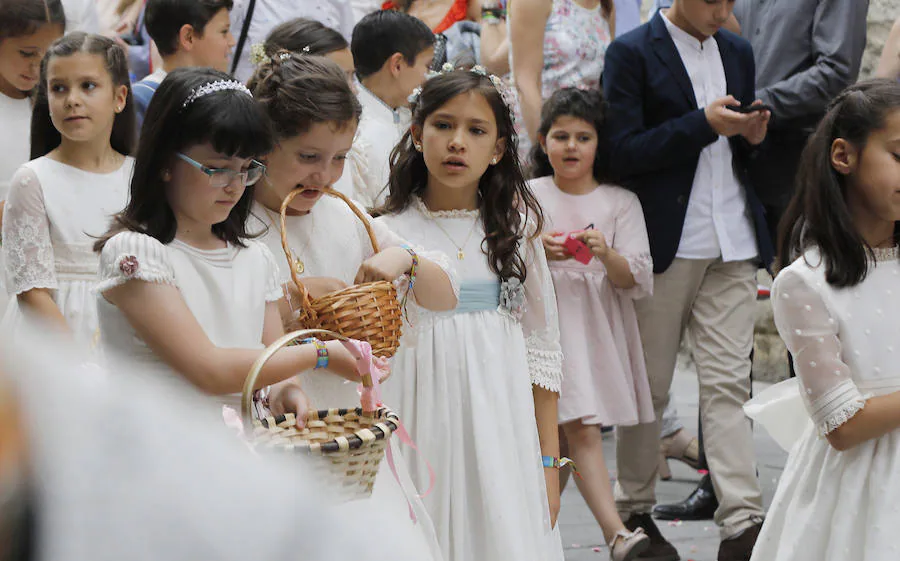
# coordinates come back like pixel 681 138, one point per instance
pixel 226 289
pixel 605 378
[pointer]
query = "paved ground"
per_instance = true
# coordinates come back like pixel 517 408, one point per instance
pixel 696 541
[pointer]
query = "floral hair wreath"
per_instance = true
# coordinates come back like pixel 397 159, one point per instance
pixel 505 92
pixel 258 54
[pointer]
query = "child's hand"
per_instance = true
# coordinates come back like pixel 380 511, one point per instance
pixel 287 397
pixel 758 126
pixel 341 361
pixel 320 286
pixel 596 242
pixel 553 247
pixel 387 265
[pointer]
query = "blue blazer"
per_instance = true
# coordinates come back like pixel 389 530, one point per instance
pixel 655 131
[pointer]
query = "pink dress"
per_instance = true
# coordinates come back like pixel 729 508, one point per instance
pixel 604 375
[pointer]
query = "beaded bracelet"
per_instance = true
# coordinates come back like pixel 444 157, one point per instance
pixel 412 274
pixel 321 352
pixel 496 13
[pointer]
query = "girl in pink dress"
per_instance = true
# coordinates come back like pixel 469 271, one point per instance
pixel 604 377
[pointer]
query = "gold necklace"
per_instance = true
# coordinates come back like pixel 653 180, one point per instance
pixel 460 254
pixel 298 263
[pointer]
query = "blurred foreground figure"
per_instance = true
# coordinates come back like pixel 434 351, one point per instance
pixel 97 466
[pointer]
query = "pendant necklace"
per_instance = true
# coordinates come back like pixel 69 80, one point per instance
pixel 298 263
pixel 460 253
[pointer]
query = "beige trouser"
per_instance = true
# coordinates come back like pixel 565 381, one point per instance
pixel 716 302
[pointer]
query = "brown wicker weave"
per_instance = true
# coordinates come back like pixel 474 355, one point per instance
pixel 348 443
pixel 366 312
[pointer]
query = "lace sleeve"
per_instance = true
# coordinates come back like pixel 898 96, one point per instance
pixel 27 244
pixel 811 334
pixel 631 242
pixel 360 174
pixel 132 256
pixel 540 320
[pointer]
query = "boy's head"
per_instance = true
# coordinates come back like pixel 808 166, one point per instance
pixel 199 31
pixel 395 46
pixel 701 18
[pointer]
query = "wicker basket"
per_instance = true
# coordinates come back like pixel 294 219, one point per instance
pixel 348 444
pixel 366 312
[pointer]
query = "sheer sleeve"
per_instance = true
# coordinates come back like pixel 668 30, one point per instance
pixel 811 335
pixel 631 242
pixel 360 174
pixel 540 320
pixel 30 262
pixel 132 256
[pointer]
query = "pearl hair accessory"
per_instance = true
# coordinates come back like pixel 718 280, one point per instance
pixel 506 94
pixel 213 87
pixel 258 54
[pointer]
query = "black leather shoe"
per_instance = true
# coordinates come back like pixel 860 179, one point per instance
pixel 700 505
pixel 660 549
pixel 740 547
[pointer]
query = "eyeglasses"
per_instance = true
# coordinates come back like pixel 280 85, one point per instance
pixel 219 178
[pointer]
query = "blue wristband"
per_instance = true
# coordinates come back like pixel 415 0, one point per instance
pixel 321 352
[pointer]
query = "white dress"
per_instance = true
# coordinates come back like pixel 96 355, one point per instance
pixel 54 214
pixel 831 505
pixel 332 242
pixel 463 382
pixel 226 290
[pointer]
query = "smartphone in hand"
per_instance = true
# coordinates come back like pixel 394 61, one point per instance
pixel 749 108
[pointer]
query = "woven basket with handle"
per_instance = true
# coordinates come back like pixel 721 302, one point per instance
pixel 367 312
pixel 348 444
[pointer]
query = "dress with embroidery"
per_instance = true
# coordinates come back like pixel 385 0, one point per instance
pixel 332 242
pixel 605 378
pixel 462 381
pixel 575 43
pixel 225 289
pixel 54 214
pixel 831 505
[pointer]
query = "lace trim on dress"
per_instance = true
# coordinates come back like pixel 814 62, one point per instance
pixel 420 206
pixel 545 368
pixel 886 253
pixel 29 255
pixel 841 416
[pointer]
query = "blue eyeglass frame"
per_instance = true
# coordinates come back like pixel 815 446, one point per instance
pixel 214 171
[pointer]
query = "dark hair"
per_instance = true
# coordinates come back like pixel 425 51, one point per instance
pixel 502 189
pixel 298 90
pixel 228 120
pixel 818 215
pixel 300 33
pixel 165 18
pixel 380 34
pixel 44 136
pixel 587 105
pixel 24 17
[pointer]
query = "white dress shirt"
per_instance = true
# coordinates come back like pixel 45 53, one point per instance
pixel 717 222
pixel 336 14
pixel 380 129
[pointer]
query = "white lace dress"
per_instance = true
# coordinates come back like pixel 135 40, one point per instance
pixel 831 505
pixel 332 242
pixel 54 214
pixel 463 382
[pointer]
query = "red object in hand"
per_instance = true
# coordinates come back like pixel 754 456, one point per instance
pixel 578 249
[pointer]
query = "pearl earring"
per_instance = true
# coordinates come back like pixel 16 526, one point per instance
pixel 494 161
pixel 418 147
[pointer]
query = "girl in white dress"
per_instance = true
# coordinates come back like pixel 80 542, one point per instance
pixel 328 240
pixel 82 135
pixel 605 379
pixel 837 308
pixel 470 383
pixel 183 290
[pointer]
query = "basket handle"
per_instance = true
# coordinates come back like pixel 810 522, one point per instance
pixel 285 340
pixel 295 274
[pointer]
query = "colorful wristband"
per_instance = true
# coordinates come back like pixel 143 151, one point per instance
pixel 559 463
pixel 412 275
pixel 321 352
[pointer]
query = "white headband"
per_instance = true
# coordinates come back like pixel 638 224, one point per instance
pixel 213 87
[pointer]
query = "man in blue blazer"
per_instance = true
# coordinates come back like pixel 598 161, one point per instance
pixel 681 129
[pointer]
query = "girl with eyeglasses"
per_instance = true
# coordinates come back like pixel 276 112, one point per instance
pixel 82 132
pixel 183 287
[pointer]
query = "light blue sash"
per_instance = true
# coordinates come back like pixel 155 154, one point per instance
pixel 478 296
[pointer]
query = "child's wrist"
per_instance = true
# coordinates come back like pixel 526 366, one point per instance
pixel 321 352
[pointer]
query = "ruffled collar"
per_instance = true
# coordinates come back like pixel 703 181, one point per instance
pixel 419 204
pixel 886 253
